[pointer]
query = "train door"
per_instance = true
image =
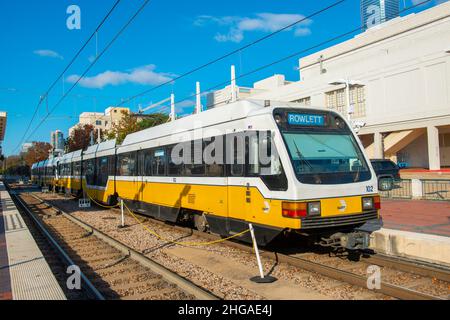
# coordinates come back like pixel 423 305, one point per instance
pixel 236 181
pixel 140 176
pixel 134 175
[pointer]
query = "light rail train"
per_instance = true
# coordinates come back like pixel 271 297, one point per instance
pixel 283 167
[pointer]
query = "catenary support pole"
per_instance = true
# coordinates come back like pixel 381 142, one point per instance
pixel 198 101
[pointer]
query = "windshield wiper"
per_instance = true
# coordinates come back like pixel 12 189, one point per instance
pixel 301 157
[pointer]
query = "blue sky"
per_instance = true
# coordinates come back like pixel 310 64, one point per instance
pixel 167 39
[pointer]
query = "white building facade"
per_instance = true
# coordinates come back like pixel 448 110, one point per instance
pixel 399 79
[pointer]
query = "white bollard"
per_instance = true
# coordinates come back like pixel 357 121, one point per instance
pixel 123 217
pixel 261 278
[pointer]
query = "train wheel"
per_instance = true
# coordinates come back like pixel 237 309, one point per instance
pixel 200 222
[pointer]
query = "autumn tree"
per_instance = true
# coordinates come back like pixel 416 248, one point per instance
pixel 80 137
pixel 15 165
pixel 39 151
pixel 130 123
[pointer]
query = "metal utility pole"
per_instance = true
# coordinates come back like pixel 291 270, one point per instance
pixel 92 137
pixel 99 138
pixel 233 84
pixel 172 107
pixel 198 101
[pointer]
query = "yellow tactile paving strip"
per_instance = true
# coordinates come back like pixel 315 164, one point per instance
pixel 31 277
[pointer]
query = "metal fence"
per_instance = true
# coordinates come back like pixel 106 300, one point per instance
pixel 400 190
pixel 436 189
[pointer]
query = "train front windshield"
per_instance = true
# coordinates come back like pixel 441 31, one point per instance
pixel 323 150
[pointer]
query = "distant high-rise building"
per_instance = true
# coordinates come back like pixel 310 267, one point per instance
pixel 375 12
pixel 57 140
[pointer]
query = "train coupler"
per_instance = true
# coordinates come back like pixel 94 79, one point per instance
pixel 357 240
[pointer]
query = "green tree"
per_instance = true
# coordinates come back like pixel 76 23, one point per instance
pixel 130 123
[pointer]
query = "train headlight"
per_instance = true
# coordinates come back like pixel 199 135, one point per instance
pixel 339 123
pixel 368 203
pixel 314 208
pixel 278 119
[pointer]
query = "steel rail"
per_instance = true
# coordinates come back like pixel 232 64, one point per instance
pixel 61 252
pixel 395 291
pixel 170 276
pixel 388 289
pixel 407 265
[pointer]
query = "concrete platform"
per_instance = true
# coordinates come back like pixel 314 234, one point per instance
pixel 416 229
pixel 24 273
pixel 421 216
pixel 412 245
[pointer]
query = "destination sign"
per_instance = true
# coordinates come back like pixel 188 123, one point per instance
pixel 301 119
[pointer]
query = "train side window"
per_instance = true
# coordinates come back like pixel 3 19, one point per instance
pixel 111 165
pixel 140 163
pixel 235 154
pixel 102 174
pixel 195 165
pixel 132 164
pixel 159 162
pixel 252 152
pixel 270 167
pixel 125 164
pixel 175 168
pixel 90 171
pixel 213 152
pixel 147 158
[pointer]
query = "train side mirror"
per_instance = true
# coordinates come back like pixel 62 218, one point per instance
pixel 385 184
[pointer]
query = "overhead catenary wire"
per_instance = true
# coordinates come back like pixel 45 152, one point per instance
pixel 240 49
pixel 218 59
pixel 45 96
pixel 124 27
pixel 188 98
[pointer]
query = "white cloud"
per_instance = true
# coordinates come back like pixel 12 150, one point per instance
pixel 142 75
pixel 262 22
pixel 48 53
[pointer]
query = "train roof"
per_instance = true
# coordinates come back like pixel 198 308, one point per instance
pixel 66 158
pixel 233 111
pixel 77 155
pixel 238 110
pixel 101 149
pixel 52 161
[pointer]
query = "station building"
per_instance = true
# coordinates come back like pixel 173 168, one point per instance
pixel 101 120
pixel 398 76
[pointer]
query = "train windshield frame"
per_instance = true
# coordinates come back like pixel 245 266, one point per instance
pixel 321 147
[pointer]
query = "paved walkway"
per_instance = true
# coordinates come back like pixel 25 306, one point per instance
pixel 24 272
pixel 432 217
pixel 5 280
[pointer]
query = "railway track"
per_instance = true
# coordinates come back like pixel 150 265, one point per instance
pixel 401 278
pixel 109 269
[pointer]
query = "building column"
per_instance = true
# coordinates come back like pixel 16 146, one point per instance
pixel 378 152
pixel 434 160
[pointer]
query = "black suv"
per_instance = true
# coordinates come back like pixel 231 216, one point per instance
pixel 387 173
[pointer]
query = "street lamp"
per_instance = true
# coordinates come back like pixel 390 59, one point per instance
pixel 347 83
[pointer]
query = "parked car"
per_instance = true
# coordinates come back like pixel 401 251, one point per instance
pixel 387 173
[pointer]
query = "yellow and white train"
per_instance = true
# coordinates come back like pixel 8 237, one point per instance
pixel 317 180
